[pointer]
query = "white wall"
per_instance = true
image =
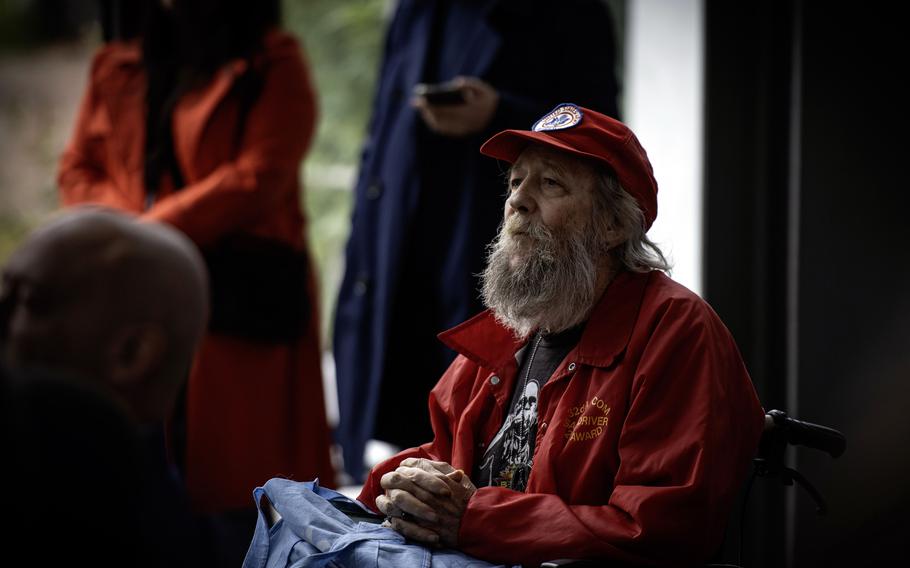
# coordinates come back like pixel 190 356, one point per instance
pixel 664 106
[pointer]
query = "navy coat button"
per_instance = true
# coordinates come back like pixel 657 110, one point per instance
pixel 374 190
pixel 361 285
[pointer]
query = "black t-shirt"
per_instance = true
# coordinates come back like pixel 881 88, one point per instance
pixel 507 460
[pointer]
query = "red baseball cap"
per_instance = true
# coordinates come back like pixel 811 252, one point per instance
pixel 587 133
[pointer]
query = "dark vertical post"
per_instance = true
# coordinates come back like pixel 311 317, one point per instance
pixel 748 151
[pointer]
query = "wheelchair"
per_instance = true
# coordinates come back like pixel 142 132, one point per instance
pixel 780 431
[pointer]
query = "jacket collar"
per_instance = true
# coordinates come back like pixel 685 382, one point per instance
pixel 200 112
pixel 276 44
pixel 488 343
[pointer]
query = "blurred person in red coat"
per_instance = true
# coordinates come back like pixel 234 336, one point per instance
pixel 202 122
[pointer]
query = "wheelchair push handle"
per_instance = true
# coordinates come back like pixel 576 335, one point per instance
pixel 806 434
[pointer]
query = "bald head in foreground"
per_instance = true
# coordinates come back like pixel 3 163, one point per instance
pixel 106 300
pixel 99 319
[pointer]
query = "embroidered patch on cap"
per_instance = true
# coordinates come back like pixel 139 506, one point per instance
pixel 560 118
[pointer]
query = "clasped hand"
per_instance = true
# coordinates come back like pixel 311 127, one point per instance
pixel 424 500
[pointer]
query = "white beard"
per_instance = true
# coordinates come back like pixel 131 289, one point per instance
pixel 536 279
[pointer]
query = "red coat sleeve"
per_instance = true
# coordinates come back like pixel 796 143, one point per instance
pixel 82 176
pixel 446 404
pixel 277 134
pixel 692 426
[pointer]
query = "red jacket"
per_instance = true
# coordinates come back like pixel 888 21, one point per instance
pixel 645 433
pixel 254 411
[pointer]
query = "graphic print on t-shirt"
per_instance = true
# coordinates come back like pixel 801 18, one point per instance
pixel 510 466
pixel 507 460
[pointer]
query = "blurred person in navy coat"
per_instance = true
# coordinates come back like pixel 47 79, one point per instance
pixel 426 202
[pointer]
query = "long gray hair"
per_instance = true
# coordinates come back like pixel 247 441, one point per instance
pixel 638 253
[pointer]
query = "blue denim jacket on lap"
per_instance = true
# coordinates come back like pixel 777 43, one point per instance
pixel 312 533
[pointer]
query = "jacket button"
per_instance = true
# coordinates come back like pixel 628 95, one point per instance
pixel 571 366
pixel 374 190
pixel 543 426
pixel 494 380
pixel 361 284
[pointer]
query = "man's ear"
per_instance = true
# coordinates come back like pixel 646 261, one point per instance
pixel 137 351
pixel 614 236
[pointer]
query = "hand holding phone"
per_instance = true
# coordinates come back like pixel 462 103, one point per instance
pixel 460 107
pixel 440 93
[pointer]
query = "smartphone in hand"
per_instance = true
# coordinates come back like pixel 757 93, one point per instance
pixel 440 93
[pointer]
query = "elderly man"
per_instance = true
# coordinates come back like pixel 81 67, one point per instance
pixel 646 418
pixel 99 319
pixel 597 409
